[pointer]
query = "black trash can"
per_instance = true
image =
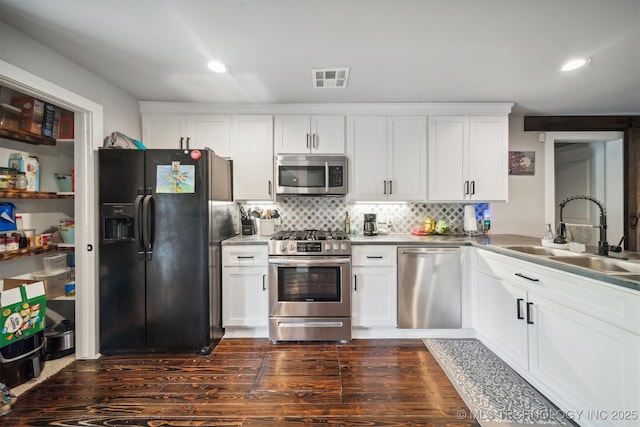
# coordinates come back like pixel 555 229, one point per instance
pixel 22 360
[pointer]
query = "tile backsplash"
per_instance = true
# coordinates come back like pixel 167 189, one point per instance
pixel 327 213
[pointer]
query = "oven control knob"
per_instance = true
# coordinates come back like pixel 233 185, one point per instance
pixel 283 247
pixel 343 246
pixel 335 246
pixel 292 247
pixel 327 247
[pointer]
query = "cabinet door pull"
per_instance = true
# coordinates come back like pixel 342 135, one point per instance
pixel 528 278
pixel 264 278
pixel 529 320
pixel 270 188
pixel 518 312
pixel 466 187
pixel 315 141
pixel 390 187
pixel 308 145
pixel 385 186
pixel 355 282
pixel 473 188
pixel 181 142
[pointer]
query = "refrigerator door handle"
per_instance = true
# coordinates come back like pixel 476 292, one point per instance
pixel 138 225
pixel 148 224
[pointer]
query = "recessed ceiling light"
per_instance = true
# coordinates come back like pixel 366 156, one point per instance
pixel 575 63
pixel 217 66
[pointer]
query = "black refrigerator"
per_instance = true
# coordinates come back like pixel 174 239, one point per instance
pixel 163 214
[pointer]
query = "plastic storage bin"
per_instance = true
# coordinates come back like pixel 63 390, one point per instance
pixel 64 182
pixel 55 282
pixel 55 263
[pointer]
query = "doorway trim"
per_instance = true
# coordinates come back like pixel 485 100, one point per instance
pixel 549 161
pixel 88 131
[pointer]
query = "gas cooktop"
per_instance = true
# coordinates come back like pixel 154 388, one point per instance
pixel 310 242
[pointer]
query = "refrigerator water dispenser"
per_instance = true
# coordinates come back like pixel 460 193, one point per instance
pixel 117 222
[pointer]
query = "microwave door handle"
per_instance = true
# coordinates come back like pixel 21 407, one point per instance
pixel 326 177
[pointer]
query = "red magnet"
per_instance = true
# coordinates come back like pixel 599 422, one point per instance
pixel 196 154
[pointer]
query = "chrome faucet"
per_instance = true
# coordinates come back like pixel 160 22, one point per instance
pixel 603 246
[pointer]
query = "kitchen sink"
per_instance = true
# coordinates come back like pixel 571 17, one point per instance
pixel 603 265
pixel 541 250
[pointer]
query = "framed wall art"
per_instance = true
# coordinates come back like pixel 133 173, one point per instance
pixel 522 162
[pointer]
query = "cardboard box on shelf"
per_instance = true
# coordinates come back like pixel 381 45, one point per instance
pixel 56 123
pixel 47 119
pixel 22 309
pixel 30 166
pixel 32 113
pixel 66 127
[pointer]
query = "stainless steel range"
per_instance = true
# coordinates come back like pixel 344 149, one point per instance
pixel 309 286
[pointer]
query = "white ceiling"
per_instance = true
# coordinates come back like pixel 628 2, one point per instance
pixel 397 50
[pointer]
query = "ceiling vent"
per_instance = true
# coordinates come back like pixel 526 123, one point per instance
pixel 330 78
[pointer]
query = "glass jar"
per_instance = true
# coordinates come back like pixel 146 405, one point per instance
pixel 21 181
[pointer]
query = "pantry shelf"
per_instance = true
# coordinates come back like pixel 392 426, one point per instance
pixel 5 256
pixel 15 194
pixel 29 138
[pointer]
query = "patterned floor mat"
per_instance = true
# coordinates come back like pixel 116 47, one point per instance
pixel 495 394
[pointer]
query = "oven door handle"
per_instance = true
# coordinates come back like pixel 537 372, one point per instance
pixel 309 261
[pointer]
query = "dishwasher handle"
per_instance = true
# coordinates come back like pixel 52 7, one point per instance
pixel 427 251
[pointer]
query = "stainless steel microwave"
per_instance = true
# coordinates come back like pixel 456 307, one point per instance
pixel 311 175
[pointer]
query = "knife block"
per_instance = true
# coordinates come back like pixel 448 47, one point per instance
pixel 247 227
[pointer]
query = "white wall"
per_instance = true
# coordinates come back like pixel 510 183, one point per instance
pixel 121 110
pixel 524 212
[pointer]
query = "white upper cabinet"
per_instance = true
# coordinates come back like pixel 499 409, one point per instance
pixel 252 153
pixel 304 134
pixel 468 158
pixel 163 131
pixel 388 157
pixel 211 131
pixel 197 130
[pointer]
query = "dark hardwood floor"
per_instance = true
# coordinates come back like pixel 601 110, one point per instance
pixel 246 382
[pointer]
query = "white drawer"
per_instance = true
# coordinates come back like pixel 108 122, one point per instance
pixel 244 255
pixel 373 255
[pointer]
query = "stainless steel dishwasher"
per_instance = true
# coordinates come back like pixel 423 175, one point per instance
pixel 429 288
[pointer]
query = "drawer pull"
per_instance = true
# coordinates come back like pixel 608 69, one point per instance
pixel 526 277
pixel 518 306
pixel 245 257
pixel 374 257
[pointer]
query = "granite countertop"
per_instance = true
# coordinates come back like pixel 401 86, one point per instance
pixel 498 243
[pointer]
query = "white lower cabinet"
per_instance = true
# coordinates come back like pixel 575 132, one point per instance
pixel 575 339
pixel 374 290
pixel 591 365
pixel 244 287
pixel 500 318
